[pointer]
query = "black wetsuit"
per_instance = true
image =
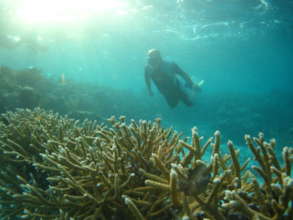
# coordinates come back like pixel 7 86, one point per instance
pixel 165 79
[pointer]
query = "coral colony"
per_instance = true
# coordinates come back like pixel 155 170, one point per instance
pixel 54 167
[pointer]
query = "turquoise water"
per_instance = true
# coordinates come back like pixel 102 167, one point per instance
pixel 241 49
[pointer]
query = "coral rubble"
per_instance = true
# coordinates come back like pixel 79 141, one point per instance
pixel 58 168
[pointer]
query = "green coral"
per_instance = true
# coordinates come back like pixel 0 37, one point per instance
pixel 59 168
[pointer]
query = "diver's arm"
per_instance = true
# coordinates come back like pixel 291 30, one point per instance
pixel 184 75
pixel 148 81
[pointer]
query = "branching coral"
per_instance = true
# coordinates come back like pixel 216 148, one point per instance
pixel 59 168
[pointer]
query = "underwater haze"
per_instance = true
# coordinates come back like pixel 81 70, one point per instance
pixel 87 59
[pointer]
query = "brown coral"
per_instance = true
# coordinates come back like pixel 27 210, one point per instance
pixel 59 168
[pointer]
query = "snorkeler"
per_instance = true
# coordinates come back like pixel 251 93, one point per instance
pixel 164 75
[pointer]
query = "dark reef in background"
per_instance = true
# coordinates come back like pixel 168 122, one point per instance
pixel 234 114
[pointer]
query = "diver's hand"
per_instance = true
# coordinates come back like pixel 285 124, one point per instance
pixel 198 86
pixel 201 82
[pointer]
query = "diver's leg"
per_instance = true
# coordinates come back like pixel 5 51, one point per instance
pixel 185 99
pixel 172 101
pixel 183 95
pixel 172 97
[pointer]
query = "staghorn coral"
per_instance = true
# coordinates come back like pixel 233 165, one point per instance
pixel 59 168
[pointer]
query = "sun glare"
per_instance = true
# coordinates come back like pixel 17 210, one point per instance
pixel 64 11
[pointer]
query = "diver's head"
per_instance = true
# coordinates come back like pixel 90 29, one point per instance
pixel 154 57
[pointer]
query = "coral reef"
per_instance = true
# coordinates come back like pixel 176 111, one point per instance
pixel 30 87
pixel 21 88
pixel 60 168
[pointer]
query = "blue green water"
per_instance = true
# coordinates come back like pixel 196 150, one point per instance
pixel 242 49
